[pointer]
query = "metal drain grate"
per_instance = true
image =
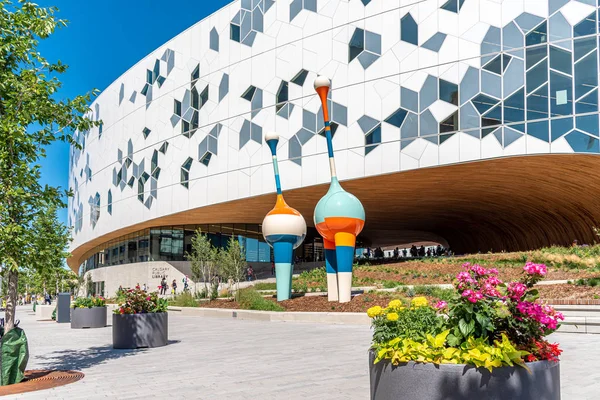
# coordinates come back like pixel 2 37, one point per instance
pixel 40 380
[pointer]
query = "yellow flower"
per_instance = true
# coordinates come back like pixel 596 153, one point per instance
pixel 374 311
pixel 392 316
pixel 419 302
pixel 395 304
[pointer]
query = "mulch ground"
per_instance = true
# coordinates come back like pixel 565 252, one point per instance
pixel 361 303
pixel 566 291
pixel 420 273
pixel 317 303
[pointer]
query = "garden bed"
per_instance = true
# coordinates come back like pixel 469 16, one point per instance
pixel 360 303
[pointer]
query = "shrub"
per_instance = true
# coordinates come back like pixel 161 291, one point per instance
pixel 137 301
pixel 89 302
pixel 185 299
pixel 265 286
pixel 391 284
pixel 250 299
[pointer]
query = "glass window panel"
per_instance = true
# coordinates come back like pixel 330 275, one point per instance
pixel 429 92
pixel 514 107
pixel 409 99
pixel 586 27
pixel 535 54
pixel 539 130
pixel 483 103
pixel 251 250
pixel 512 37
pixel 588 103
pixel 449 92
pixel 409 127
pixel 560 127
pixel 469 118
pixel 582 143
pixel 560 60
pixel 409 31
pixel 469 86
pixel 491 84
pixel 264 252
pixel 357 44
pixel 235 33
pixel 561 94
pixel 429 125
pixel 495 65
pixel 587 124
pixel 537 104
pixel 537 76
pixel 586 75
pixel 514 76
pixel 537 35
pixel 450 124
pixel 583 46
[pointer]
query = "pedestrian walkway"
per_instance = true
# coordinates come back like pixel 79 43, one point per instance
pixel 211 358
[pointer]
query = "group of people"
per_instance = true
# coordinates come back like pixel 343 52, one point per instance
pixel 413 252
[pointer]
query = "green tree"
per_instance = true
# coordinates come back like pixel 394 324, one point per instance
pixel 232 261
pixel 203 260
pixel 31 118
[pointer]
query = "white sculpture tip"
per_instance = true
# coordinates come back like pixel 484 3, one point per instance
pixel 322 81
pixel 271 136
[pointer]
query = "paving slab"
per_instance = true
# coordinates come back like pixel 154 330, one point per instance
pixel 221 359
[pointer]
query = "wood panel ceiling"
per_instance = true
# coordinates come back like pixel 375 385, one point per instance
pixel 510 204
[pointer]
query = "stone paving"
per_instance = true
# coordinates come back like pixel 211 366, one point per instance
pixel 210 358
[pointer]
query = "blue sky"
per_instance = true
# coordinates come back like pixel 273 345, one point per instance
pixel 103 40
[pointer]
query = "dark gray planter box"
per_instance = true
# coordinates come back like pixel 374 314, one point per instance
pixel 133 331
pixel 416 381
pixel 94 317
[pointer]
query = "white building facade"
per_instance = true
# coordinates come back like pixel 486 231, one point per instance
pixel 416 84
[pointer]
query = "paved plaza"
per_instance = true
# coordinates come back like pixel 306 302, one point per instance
pixel 210 358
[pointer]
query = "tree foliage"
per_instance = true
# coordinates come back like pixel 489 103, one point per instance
pixel 232 261
pixel 203 260
pixel 32 116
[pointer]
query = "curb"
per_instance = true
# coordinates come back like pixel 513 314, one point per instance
pixel 312 317
pixel 572 324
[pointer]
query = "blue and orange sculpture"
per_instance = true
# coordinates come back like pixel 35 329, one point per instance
pixel 284 229
pixel 339 218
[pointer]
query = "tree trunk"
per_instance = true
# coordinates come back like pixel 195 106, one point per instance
pixel 11 303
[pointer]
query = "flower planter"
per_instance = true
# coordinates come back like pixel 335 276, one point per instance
pixel 417 381
pixel 132 331
pixel 94 317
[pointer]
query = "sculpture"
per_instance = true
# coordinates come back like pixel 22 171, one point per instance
pixel 284 229
pixel 339 218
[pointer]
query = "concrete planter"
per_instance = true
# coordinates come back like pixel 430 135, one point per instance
pixel 132 331
pixel 414 381
pixel 94 317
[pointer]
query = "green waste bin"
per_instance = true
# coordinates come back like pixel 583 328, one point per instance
pixel 15 354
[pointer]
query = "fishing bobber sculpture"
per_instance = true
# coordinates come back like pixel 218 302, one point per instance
pixel 339 218
pixel 284 229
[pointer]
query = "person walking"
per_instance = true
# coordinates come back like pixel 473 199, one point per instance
pixel 249 273
pixel 163 286
pixel 185 283
pixel 144 287
pixel 272 268
pixel 174 287
pixel 47 299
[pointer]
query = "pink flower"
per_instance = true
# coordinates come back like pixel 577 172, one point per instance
pixel 535 269
pixel 492 271
pixel 472 296
pixel 441 305
pixel 516 290
pixel 479 270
